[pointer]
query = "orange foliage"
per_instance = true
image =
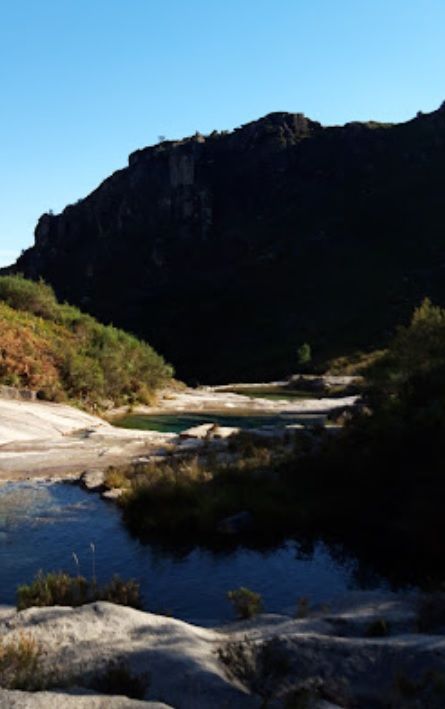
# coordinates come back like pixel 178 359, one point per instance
pixel 27 358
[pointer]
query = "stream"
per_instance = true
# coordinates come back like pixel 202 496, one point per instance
pixel 43 524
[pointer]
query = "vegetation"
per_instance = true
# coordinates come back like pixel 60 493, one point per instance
pixel 188 497
pixel 381 475
pixel 63 354
pixel 21 667
pixel 354 364
pixel 246 603
pixel 19 661
pixel 304 355
pixel 61 589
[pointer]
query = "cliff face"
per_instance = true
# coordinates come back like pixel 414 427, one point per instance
pixel 227 251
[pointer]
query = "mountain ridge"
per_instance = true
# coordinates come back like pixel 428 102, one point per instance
pixel 227 251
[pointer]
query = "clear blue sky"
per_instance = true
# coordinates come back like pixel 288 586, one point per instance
pixel 86 82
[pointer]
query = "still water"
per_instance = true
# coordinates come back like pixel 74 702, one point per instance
pixel 180 422
pixel 41 525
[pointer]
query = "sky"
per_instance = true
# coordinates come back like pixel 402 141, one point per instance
pixel 83 83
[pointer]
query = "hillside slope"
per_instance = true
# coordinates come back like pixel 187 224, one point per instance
pixel 63 354
pixel 228 251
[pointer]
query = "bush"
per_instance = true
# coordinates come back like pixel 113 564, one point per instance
pixel 60 352
pixel 61 589
pixel 22 294
pixel 123 593
pixel 246 603
pixel 304 354
pixel 53 589
pixel 191 496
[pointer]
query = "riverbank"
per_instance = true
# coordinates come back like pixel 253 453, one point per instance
pixel 363 649
pixel 216 398
pixel 39 439
pixel 43 440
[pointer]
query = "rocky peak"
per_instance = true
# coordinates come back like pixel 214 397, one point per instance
pixel 227 251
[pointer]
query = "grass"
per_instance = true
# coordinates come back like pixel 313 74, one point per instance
pixel 65 355
pixel 190 496
pixel 355 364
pixel 61 589
pixel 19 663
pixel 21 667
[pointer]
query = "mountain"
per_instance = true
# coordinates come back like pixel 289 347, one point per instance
pixel 230 250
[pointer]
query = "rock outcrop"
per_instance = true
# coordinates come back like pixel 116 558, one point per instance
pixel 363 650
pixel 227 251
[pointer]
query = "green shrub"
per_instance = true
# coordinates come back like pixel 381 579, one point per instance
pixel 304 354
pixel 35 298
pixel 123 593
pixel 62 353
pixel 61 589
pixel 53 589
pixel 246 603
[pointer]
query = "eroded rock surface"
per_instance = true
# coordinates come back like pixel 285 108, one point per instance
pixel 332 647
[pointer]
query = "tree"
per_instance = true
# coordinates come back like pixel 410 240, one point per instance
pixel 304 354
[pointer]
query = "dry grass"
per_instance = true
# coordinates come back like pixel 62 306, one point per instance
pixel 61 589
pixel 19 663
pixel 355 364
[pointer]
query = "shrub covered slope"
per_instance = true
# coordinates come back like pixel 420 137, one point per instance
pixel 63 354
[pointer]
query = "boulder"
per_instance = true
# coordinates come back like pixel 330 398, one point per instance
pixel 112 494
pixel 203 431
pixel 93 480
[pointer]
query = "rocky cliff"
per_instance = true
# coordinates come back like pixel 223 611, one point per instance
pixel 227 251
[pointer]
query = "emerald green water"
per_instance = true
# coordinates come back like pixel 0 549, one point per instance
pixel 176 423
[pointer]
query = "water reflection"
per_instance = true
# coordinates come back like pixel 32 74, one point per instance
pixel 41 525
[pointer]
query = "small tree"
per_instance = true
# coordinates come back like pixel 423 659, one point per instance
pixel 304 354
pixel 246 603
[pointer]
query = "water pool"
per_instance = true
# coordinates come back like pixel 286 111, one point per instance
pixel 41 525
